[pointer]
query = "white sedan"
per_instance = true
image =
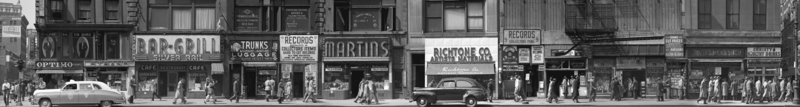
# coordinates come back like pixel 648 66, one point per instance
pixel 79 93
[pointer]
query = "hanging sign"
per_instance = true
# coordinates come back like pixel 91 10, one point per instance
pixel 254 51
pixel 298 47
pixel 522 37
pixel 177 48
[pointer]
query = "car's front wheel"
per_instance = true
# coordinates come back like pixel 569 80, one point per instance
pixel 105 103
pixel 423 101
pixel 45 103
pixel 471 101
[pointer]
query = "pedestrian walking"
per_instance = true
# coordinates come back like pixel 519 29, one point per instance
pixel 210 83
pixel 565 87
pixel 311 90
pixel 268 85
pixel 759 91
pixel 518 95
pixel 6 92
pixel 372 91
pixel 280 90
pixel 592 91
pixel 134 85
pixel 790 84
pixel 783 90
pixel 552 91
pixel 575 86
pixel 660 90
pixel 703 91
pixel 682 88
pixel 490 89
pixel 19 90
pixel 745 86
pixel 712 84
pixel 180 92
pixel 637 89
pixel 288 90
pixel 236 90
pixel 725 91
pixel 154 90
pixel 31 87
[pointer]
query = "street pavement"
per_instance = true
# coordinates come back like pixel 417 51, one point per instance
pixel 531 101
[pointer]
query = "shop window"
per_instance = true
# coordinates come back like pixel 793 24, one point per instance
pixel 759 14
pixel 182 15
pixel 56 10
pixel 454 16
pixel 85 11
pixel 272 15
pixel 732 14
pixel 363 15
pixel 195 81
pixel 112 8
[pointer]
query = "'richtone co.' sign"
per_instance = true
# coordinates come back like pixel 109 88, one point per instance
pixel 460 56
pixel 264 50
pixel 177 48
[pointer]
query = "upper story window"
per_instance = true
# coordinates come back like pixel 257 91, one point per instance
pixel 364 15
pixel 759 14
pixel 85 13
pixel 272 15
pixel 112 9
pixel 732 16
pixel 704 17
pixel 56 10
pixel 182 14
pixel 454 16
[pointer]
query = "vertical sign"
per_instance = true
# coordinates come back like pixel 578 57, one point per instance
pixel 674 46
pixel 537 54
pixel 298 47
pixel 524 55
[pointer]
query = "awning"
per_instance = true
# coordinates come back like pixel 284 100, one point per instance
pixel 59 71
pixel 217 68
pixel 460 69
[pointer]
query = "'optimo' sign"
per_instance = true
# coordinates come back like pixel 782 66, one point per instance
pixel 177 48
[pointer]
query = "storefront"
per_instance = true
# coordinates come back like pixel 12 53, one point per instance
pixel 640 64
pixel 560 63
pixel 113 73
pixel 474 58
pixel 165 59
pixel 762 63
pixel 521 55
pixel 56 73
pixel 299 56
pixel 254 59
pixel 350 60
pixel 705 62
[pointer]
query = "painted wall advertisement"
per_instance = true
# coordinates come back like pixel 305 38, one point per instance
pixel 177 48
pixel 298 47
pixel 522 37
pixel 254 50
pixel 12 31
pixel 460 56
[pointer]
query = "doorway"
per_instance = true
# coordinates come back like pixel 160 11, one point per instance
pixel 249 83
pixel 355 80
pixel 298 85
pixel 419 75
pixel 162 80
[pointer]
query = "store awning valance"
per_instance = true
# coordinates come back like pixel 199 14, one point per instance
pixel 59 71
pixel 460 69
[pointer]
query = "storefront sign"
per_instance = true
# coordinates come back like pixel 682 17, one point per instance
pixel 715 52
pixel 459 69
pixel 764 52
pixel 247 19
pixel 356 47
pixel 510 55
pixel 254 51
pixel 461 50
pixel 524 55
pixel 177 48
pixel 12 31
pixel 298 47
pixel 522 37
pixel 173 67
pixel 513 68
pixel 107 63
pixel 631 62
pixel 58 65
pixel 537 54
pixel 674 46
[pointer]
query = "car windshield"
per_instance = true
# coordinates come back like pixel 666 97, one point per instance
pixel 71 87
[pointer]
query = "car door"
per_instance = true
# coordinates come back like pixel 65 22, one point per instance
pixel 84 92
pixel 66 95
pixel 462 87
pixel 445 91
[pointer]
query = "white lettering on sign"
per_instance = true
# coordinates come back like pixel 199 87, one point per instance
pixel 356 48
pixel 54 64
pixel 177 48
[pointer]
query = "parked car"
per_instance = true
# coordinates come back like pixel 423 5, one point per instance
pixel 457 89
pixel 79 93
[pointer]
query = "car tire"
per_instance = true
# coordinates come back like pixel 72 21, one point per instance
pixel 471 101
pixel 106 103
pixel 423 101
pixel 45 103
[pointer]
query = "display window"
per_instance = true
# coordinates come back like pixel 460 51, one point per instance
pixel 195 81
pixel 147 81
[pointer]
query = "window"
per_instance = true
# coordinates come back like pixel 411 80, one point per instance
pixel 97 87
pixel 56 9
pixel 464 84
pixel 732 14
pixel 448 84
pixel 182 15
pixel 759 14
pixel 71 87
pixel 459 16
pixel 84 10
pixel 704 18
pixel 363 15
pixel 85 87
pixel 112 9
pixel 272 15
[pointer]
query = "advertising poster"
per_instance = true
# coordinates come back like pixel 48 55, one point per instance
pixel 298 47
pixel 11 31
pixel 524 55
pixel 537 54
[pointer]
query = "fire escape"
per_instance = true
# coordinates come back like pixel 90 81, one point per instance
pixel 595 21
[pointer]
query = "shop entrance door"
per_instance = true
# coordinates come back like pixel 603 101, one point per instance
pixel 298 85
pixel 419 76
pixel 162 83
pixel 355 79
pixel 628 75
pixel 250 83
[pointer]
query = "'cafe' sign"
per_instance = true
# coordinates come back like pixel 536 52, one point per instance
pixel 177 48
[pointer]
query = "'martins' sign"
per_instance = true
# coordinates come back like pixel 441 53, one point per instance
pixel 177 48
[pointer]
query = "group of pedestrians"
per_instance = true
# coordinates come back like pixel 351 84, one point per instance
pixel 776 90
pixel 367 93
pixel 18 91
pixel 569 87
